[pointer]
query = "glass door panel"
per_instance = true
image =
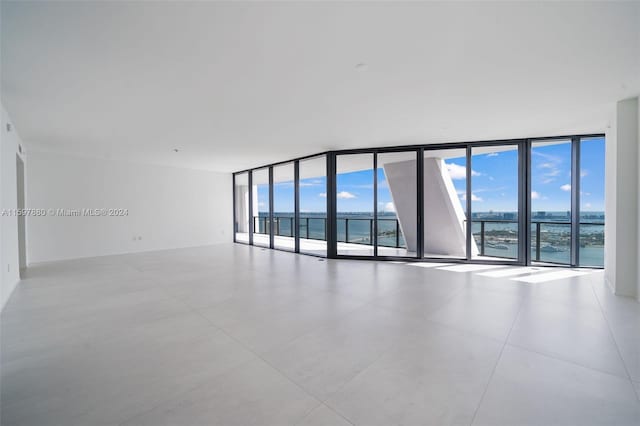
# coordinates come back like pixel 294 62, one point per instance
pixel 551 201
pixel 355 205
pixel 494 202
pixel 241 212
pixel 313 206
pixel 397 226
pixel 592 153
pixel 283 207
pixel 261 225
pixel 444 187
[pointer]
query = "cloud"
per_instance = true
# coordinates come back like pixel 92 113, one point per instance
pixel 535 195
pixel 341 194
pixel 261 204
pixel 547 166
pixel 459 172
pixel 588 205
pixel 311 182
pixel 492 154
pixel 548 180
pixel 345 195
pixel 390 207
pixel 584 173
pixel 474 197
pixel 566 187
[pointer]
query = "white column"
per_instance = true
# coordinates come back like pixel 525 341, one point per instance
pixel 444 215
pixel 622 208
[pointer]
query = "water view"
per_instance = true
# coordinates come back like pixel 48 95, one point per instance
pixel 494 236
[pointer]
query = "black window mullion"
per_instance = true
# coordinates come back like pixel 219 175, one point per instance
pixel 296 205
pixel 575 201
pixel 331 227
pixel 522 202
pixel 250 172
pixel 235 216
pixel 420 206
pixel 468 229
pixel 374 237
pixel 271 227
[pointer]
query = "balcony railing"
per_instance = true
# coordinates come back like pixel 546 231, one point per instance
pixel 550 241
pixel 350 230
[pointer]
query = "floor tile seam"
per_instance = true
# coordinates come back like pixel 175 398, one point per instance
pixel 87 342
pixel 495 366
pixel 465 332
pixel 261 358
pixel 327 398
pixel 568 361
pixel 613 338
pixel 185 392
pixel 309 332
pixel 322 404
pixel 275 311
pixel 446 301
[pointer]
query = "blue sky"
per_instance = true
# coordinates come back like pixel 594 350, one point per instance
pixel 494 183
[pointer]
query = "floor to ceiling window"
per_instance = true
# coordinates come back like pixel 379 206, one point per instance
pixel 495 202
pixel 551 201
pixel 261 205
pixel 397 196
pixel 527 201
pixel 312 188
pixel 444 193
pixel 355 204
pixel 591 247
pixel 241 207
pixel 284 207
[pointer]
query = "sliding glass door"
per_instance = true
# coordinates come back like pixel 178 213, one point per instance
pixel 241 207
pixel 355 204
pixel 261 207
pixel 551 174
pixel 397 204
pixel 444 186
pixel 284 207
pixel 312 189
pixel 591 247
pixel 495 200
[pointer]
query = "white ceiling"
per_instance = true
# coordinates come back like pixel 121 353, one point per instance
pixel 236 85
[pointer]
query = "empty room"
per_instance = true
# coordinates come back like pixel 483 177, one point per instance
pixel 323 213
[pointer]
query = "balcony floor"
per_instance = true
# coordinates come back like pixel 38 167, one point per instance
pixel 319 248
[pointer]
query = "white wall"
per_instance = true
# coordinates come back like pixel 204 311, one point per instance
pixel 9 263
pixel 622 209
pixel 167 207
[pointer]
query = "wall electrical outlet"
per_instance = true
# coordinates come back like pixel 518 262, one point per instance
pixel 140 237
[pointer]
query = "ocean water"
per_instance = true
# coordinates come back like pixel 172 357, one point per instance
pixel 501 239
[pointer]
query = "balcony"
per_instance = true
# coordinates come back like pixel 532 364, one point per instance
pixel 495 238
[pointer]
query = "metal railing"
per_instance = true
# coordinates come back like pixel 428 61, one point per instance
pixel 485 238
pixel 554 242
pixel 348 229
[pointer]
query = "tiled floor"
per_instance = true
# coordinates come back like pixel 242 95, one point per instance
pixel 235 335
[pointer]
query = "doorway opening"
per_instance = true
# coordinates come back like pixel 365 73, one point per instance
pixel 22 242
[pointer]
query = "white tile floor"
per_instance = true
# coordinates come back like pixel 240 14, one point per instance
pixel 238 335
